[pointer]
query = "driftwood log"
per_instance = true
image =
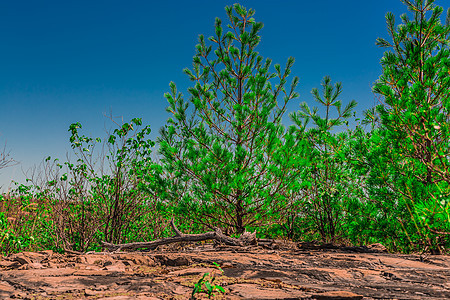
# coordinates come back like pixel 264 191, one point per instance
pixel 246 239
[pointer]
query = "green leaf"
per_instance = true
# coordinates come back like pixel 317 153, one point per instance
pixel 112 139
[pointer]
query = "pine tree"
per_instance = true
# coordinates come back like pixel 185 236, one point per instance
pixel 328 174
pixel 230 161
pixel 411 165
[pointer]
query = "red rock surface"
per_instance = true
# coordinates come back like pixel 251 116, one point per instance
pixel 248 273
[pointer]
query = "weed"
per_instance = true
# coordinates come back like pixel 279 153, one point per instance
pixel 206 284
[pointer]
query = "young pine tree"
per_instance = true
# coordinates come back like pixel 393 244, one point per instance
pixel 413 150
pixel 230 161
pixel 329 174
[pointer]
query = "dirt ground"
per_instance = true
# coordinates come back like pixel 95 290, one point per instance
pixel 296 271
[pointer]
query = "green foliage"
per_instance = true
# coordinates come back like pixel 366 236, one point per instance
pixel 119 190
pixel 107 196
pixel 230 162
pixel 330 176
pixel 409 151
pixel 227 161
pixel 206 285
pixel 25 224
pixel 121 196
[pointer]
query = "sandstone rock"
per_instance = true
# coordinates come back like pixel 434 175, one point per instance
pixel 173 262
pixel 253 274
pixel 192 271
pixel 116 267
pixel 337 295
pixel 89 292
pixel 118 298
pixel 20 295
pixel 20 258
pixel 33 266
pixel 35 257
pixel 226 265
pixel 252 291
pixel 92 273
pixel 52 265
pixel 137 259
pixel 93 259
pixel 107 263
pixel 5 290
pixel 6 264
pixel 377 247
pixel 47 253
pixel 81 260
pixel 145 288
pixel 89 267
pixel 129 298
pixel 181 290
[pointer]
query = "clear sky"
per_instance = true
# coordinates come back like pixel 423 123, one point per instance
pixel 74 61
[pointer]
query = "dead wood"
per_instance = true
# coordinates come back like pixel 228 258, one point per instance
pixel 246 239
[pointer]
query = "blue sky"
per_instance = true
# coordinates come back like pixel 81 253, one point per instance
pixel 74 61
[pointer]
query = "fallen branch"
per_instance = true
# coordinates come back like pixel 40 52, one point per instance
pixel 247 238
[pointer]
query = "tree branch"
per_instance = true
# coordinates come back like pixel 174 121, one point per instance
pixel 247 238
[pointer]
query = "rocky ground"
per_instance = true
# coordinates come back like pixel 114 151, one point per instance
pixel 295 272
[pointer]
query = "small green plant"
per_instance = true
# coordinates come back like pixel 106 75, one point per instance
pixel 25 223
pixel 206 284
